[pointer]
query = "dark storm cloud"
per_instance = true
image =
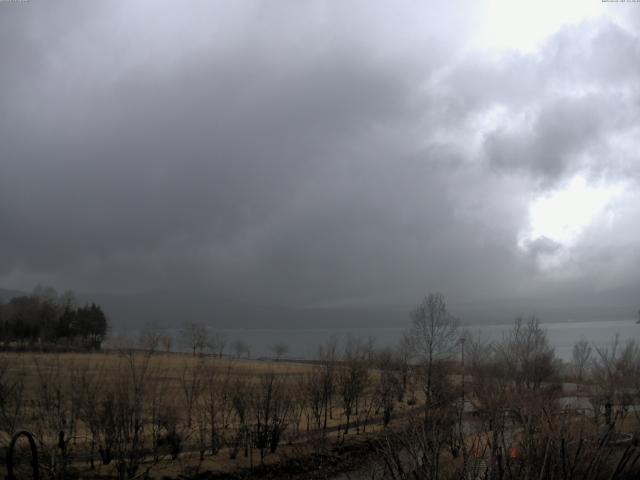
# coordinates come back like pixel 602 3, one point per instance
pixel 304 162
pixel 562 131
pixel 543 245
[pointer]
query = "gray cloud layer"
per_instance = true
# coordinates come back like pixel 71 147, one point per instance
pixel 308 154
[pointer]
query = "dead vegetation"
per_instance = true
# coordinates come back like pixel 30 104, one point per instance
pixel 439 406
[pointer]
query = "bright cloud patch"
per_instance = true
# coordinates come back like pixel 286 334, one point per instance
pixel 558 219
pixel 524 25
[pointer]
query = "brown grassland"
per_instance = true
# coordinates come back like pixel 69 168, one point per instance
pixel 182 399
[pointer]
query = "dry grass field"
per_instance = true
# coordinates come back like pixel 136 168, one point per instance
pixel 129 413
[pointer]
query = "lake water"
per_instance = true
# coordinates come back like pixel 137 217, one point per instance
pixel 303 343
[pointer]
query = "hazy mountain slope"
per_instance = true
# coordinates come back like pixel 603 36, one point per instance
pixel 172 309
pixel 6 295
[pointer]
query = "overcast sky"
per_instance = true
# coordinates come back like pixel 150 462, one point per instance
pixel 322 153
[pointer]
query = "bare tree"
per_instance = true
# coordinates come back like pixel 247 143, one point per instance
pixel 327 358
pixel 417 450
pixel 404 353
pixel 581 356
pixel 11 397
pixel 216 404
pixel 191 385
pixel 526 363
pixel 615 371
pixel 299 404
pixel 490 393
pixel 219 394
pixel 150 338
pixel 352 378
pixel 388 385
pixel 166 341
pixel 240 399
pixel 87 394
pixel 127 414
pixel 315 393
pixel 217 343
pixel 526 353
pixel 130 391
pixel 195 336
pixel 279 350
pixel 432 335
pixel 240 347
pixel 270 406
pixel 55 412
pixel 161 417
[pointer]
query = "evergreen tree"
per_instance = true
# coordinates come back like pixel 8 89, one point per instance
pixel 45 317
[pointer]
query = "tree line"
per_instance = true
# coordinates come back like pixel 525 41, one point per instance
pixel 45 319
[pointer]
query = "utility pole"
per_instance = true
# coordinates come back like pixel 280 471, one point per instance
pixel 462 340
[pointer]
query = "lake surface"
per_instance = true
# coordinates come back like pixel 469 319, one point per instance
pixel 303 343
